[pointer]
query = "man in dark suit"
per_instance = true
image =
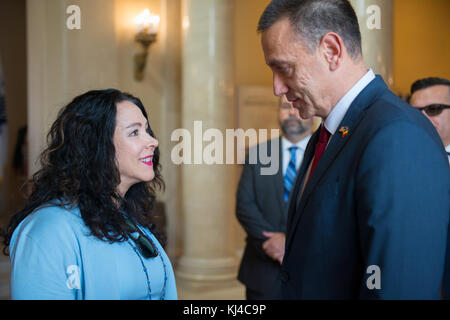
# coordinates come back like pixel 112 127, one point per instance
pixel 432 97
pixel 369 213
pixel 261 206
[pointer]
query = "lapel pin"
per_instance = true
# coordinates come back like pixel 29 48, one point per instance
pixel 344 131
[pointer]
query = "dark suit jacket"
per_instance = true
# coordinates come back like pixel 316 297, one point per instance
pixel 260 207
pixel 379 196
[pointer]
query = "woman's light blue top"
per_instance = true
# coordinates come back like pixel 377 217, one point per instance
pixel 53 256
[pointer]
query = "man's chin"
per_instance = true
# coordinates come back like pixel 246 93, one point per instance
pixel 293 130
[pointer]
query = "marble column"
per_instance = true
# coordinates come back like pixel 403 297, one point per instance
pixel 376 23
pixel 207 190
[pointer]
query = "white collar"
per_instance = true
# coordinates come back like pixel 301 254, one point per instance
pixel 337 114
pixel 286 144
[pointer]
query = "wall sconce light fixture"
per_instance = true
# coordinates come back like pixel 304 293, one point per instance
pixel 147 25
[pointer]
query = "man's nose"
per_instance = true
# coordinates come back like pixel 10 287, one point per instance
pixel 279 87
pixel 292 110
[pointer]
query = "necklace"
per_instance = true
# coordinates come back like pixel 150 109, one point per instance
pixel 149 290
pixel 163 291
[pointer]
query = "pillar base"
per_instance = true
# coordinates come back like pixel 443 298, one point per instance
pixel 206 272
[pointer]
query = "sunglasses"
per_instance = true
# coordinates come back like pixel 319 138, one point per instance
pixel 434 109
pixel 142 242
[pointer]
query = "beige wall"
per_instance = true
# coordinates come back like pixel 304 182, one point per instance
pixel 250 67
pixel 422 41
pixel 13 55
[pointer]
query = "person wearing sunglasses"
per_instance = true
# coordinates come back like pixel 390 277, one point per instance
pixel 432 97
pixel 87 230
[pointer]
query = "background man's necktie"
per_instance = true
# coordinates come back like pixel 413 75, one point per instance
pixel 291 172
pixel 321 145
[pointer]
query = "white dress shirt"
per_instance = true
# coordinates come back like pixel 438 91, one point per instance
pixel 448 151
pixel 338 113
pixel 286 156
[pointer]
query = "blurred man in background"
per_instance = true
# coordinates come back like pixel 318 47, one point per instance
pixel 262 207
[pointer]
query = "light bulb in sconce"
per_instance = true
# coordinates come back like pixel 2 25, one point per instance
pixel 147 22
pixel 147 25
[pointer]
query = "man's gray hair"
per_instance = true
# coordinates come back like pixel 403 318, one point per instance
pixel 312 19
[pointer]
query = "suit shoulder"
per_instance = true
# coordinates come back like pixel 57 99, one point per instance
pixel 389 109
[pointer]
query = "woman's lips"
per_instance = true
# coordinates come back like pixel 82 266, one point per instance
pixel 147 161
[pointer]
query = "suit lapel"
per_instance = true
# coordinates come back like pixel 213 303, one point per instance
pixel 351 120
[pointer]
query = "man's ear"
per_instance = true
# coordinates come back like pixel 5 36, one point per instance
pixel 332 48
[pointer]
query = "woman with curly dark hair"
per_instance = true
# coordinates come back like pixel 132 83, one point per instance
pixel 87 230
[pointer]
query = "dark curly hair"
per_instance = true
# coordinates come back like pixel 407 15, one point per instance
pixel 79 168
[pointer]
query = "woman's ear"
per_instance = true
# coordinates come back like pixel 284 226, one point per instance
pixel 332 47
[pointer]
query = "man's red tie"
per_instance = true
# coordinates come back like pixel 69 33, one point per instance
pixel 324 136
